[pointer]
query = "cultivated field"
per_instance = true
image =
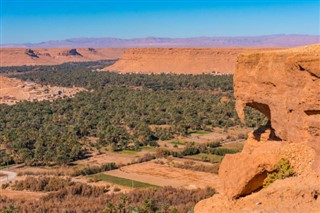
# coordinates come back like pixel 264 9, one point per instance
pixel 163 175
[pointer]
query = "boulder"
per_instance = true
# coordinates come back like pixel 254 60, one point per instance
pixel 245 172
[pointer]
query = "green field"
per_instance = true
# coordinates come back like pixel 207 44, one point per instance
pixel 177 142
pixel 123 181
pixel 129 152
pixel 149 148
pixel 210 157
pixel 198 132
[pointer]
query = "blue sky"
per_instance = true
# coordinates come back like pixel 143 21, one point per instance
pixel 41 20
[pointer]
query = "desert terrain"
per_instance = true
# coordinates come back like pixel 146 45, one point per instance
pixel 216 142
pixel 148 106
pixel 179 60
pixel 51 56
pixel 133 60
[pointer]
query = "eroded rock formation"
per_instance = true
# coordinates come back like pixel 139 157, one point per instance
pixel 285 86
pixel 71 52
pixel 31 53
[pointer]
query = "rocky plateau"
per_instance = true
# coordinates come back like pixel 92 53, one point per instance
pixel 180 60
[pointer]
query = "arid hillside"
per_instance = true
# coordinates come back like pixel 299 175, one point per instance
pixel 37 56
pixel 278 169
pixel 14 90
pixel 179 60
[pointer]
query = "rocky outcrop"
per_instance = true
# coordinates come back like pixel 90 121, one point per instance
pixel 31 53
pixel 300 194
pixel 92 50
pixel 178 60
pixel 71 52
pixel 285 86
pixel 249 168
pixel 242 175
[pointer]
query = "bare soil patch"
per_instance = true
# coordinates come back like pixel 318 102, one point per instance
pixel 108 157
pixel 163 175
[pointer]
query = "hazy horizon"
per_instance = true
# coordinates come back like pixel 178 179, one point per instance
pixel 150 37
pixel 34 21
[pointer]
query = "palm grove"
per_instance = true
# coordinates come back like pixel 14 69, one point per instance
pixel 117 109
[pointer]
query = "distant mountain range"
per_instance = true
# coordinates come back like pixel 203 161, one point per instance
pixel 238 41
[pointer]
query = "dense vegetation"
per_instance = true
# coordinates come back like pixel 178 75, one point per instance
pixel 117 109
pixel 70 65
pixel 67 196
pixel 69 75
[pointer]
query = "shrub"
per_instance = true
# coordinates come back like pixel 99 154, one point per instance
pixel 96 169
pixel 222 151
pixel 146 157
pixel 116 189
pixel 282 170
pixel 61 171
pixel 190 151
pixel 214 144
pixel 191 165
pixel 46 184
pixel 5 185
pixel 9 209
pixel 76 189
pixel 78 198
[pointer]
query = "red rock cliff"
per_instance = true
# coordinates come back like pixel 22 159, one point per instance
pixel 285 86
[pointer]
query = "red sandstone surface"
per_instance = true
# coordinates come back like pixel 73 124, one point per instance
pixel 284 85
